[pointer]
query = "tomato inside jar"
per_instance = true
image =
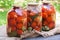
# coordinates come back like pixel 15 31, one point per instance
pixel 48 16
pixel 34 18
pixel 16 20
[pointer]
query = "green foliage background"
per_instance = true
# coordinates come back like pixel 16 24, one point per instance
pixel 5 5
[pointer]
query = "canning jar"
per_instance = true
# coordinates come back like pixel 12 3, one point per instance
pixel 16 21
pixel 34 18
pixel 48 16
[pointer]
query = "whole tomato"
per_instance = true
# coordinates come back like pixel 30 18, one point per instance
pixel 19 25
pixel 12 15
pixel 45 22
pixel 12 22
pixel 34 24
pixel 38 19
pixel 44 15
pixel 50 11
pixel 49 19
pixel 13 28
pixel 19 32
pixel 51 25
pixel 19 19
pixel 38 29
pixel 29 19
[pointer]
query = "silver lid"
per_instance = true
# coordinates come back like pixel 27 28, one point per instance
pixel 33 4
pixel 46 1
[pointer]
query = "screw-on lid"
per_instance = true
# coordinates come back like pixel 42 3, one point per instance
pixel 16 5
pixel 33 4
pixel 46 1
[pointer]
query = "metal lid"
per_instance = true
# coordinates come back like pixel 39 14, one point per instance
pixel 46 1
pixel 33 4
pixel 16 5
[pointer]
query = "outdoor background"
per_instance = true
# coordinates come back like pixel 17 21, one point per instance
pixel 5 5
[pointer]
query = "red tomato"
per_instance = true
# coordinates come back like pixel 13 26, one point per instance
pixel 19 19
pixel 45 23
pixel 37 19
pixel 12 15
pixel 38 29
pixel 13 28
pixel 50 11
pixel 12 22
pixel 29 19
pixel 32 14
pixel 51 25
pixel 44 15
pixel 19 26
pixel 20 32
pixel 49 19
pixel 34 24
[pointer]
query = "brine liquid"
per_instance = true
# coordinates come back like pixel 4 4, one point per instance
pixel 34 20
pixel 48 17
pixel 20 21
pixel 16 22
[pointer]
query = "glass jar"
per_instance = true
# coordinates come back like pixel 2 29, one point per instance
pixel 48 16
pixel 16 22
pixel 34 18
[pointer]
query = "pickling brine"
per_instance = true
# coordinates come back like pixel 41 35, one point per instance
pixel 34 17
pixel 16 22
pixel 48 16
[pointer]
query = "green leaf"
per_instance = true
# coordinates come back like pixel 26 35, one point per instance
pixel 23 28
pixel 45 28
pixel 33 17
pixel 29 28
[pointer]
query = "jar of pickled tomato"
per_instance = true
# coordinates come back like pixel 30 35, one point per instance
pixel 34 17
pixel 48 16
pixel 16 21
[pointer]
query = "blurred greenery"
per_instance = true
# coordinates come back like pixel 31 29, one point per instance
pixel 57 6
pixel 7 4
pixel 3 18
